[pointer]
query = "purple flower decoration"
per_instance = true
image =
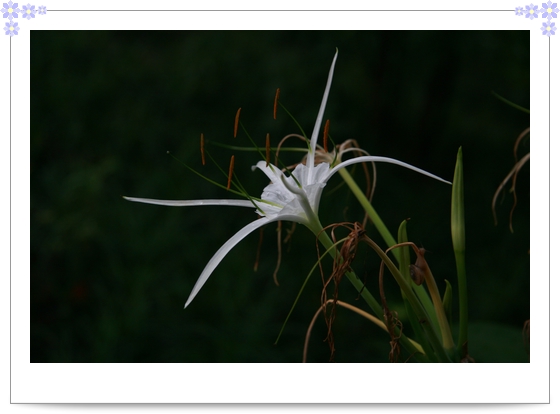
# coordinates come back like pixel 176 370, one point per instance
pixel 28 12
pixel 548 28
pixel 549 10
pixel 42 10
pixel 531 11
pixel 10 10
pixel 519 11
pixel 11 28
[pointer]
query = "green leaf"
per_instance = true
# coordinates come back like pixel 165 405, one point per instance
pixel 458 238
pixel 404 266
pixel 448 301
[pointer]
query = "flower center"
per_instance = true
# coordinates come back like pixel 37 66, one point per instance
pixel 532 11
pixel 28 11
pixel 10 10
pixel 549 10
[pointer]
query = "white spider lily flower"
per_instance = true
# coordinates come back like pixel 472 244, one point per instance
pixel 287 198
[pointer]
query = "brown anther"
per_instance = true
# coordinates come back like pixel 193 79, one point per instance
pixel 230 171
pixel 236 122
pixel 267 149
pixel 326 135
pixel 276 101
pixel 202 148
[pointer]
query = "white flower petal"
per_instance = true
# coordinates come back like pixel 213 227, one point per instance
pixel 319 119
pixel 189 203
pixel 301 174
pixel 277 194
pixel 221 253
pixel 272 172
pixel 370 158
pixel 320 173
pixel 230 244
pixel 313 193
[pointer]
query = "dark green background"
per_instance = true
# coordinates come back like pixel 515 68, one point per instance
pixel 109 278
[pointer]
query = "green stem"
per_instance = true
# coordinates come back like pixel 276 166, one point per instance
pixel 419 310
pixel 440 312
pixel 404 267
pixel 356 282
pixel 365 293
pixel 366 205
pixel 511 103
pixel 388 238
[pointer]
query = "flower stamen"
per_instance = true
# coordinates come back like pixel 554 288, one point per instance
pixel 202 148
pixel 236 123
pixel 326 135
pixel 276 101
pixel 230 172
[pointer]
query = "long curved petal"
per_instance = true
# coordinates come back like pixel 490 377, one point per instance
pixel 188 203
pixel 221 253
pixel 319 119
pixel 372 158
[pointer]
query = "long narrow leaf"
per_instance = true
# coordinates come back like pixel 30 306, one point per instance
pixel 404 267
pixel 458 238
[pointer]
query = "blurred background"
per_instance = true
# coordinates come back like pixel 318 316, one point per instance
pixel 109 278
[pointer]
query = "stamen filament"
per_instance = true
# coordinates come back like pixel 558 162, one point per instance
pixel 252 141
pixel 241 191
pixel 267 149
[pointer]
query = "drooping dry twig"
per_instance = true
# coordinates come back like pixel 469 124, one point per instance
pixel 344 305
pixel 391 321
pixel 341 264
pixel 513 173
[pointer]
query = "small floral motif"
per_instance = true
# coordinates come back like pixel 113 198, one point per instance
pixel 28 12
pixel 531 12
pixel 11 28
pixel 549 10
pixel 548 28
pixel 10 10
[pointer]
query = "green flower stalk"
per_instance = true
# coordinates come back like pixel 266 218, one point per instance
pixel 458 238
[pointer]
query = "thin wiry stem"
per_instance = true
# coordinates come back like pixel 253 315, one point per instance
pixel 514 171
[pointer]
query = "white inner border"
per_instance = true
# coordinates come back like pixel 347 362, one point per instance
pixel 296 383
